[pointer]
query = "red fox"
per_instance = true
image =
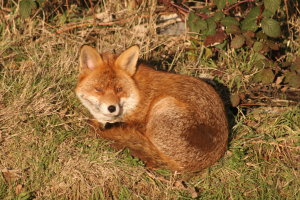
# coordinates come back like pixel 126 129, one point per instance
pixel 168 120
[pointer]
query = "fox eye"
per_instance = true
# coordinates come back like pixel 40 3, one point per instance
pixel 98 89
pixel 119 89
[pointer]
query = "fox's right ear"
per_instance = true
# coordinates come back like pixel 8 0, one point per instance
pixel 89 58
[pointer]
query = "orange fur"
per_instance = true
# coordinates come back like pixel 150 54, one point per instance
pixel 168 120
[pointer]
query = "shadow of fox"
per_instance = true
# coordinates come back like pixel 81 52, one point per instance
pixel 168 120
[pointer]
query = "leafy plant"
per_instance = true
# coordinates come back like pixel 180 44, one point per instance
pixel 255 26
pixel 228 18
pixel 27 6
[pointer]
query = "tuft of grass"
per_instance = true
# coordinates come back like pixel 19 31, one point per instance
pixel 45 136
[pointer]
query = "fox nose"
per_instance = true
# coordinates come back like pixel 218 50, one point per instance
pixel 111 108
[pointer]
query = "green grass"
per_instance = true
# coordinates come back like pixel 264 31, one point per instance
pixel 44 133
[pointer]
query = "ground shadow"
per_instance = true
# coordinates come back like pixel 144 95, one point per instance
pixel 231 111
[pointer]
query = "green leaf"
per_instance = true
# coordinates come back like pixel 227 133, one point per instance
pixel 40 1
pixel 293 79
pixel 63 18
pixel 258 58
pixel 272 5
pixel 254 13
pixel 229 21
pixel 222 45
pixel 261 35
pixel 237 42
pixel 258 46
pixel 205 9
pixel 26 7
pixel 220 4
pixel 267 13
pixel 195 23
pixel 250 21
pixel 211 27
pixel 231 1
pixel 249 25
pixel 233 29
pixel 261 62
pixel 271 27
pixel 201 23
pixel 218 16
pixel 265 76
pixel 208 53
pixel 296 65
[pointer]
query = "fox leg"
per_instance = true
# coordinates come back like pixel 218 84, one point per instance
pixel 140 146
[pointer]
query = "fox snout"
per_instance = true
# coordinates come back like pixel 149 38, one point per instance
pixel 110 104
pixel 105 108
pixel 111 109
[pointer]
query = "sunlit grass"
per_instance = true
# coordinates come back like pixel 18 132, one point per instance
pixel 44 133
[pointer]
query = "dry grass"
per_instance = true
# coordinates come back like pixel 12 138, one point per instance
pixel 47 150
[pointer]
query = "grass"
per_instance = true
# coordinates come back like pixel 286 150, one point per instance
pixel 48 151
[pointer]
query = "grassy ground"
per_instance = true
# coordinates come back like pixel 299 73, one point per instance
pixel 48 151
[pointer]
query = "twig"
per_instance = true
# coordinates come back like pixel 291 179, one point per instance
pixel 92 23
pixel 287 14
pixel 179 7
pixel 157 178
pixel 276 144
pixel 238 3
pixel 271 104
pixel 74 25
pixel 203 15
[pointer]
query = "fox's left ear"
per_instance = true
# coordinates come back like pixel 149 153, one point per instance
pixel 128 59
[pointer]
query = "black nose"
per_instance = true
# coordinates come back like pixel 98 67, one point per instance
pixel 111 108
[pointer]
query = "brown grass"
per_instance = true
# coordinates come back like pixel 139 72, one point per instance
pixel 48 151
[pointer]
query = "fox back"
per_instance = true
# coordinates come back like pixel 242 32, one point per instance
pixel 168 120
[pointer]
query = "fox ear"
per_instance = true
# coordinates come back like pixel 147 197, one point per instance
pixel 89 58
pixel 128 59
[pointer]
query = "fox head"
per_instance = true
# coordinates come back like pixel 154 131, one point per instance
pixel 106 87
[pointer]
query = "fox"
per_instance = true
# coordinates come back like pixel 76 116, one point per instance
pixel 171 121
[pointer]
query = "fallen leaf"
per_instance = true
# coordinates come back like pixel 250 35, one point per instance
pixel 10 175
pixel 19 188
pixel 272 45
pixel 235 100
pixel 265 48
pixel 194 192
pixel 278 81
pixel 140 30
pixel 132 5
pixel 250 34
pixel 237 42
pixel 104 17
pixel 217 38
pixel 284 89
pixel 265 76
pixel 179 184
pixel 296 65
